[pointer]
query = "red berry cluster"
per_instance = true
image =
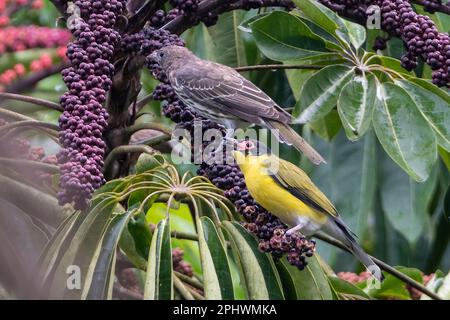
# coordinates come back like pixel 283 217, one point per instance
pixel 13 39
pixel 84 118
pixel 8 7
pixel 19 70
pixel 20 148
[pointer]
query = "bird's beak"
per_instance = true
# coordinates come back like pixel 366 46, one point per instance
pixel 239 157
pixel 154 57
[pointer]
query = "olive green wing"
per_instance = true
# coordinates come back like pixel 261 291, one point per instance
pixel 297 182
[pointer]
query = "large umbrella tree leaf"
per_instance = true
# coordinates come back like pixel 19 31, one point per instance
pixel 282 36
pixel 260 275
pixel 320 93
pixel 403 132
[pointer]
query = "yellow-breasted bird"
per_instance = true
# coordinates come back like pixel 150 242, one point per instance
pixel 220 93
pixel 287 192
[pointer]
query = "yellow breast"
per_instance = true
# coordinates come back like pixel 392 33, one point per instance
pixel 273 197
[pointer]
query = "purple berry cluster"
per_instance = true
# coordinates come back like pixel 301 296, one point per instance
pixel 84 119
pixel 433 6
pixel 160 17
pixel 421 38
pixel 186 7
pixel 419 33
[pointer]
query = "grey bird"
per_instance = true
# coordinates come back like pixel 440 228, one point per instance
pixel 220 93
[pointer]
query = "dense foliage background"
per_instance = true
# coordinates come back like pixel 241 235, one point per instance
pixel 384 130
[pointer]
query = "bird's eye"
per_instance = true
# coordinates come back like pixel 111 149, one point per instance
pixel 161 54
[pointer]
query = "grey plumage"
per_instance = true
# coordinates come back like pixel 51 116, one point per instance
pixel 221 94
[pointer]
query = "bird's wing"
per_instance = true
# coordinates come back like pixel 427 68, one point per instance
pixel 214 86
pixel 297 182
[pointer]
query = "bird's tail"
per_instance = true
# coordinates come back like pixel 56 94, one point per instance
pixel 289 136
pixel 336 228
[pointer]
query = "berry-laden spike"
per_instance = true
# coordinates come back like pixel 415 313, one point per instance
pixel 84 118
pixel 418 32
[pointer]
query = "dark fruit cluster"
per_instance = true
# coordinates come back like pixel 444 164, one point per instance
pixel 421 38
pixel 160 17
pixel 179 264
pixel 433 6
pixel 84 119
pixel 418 32
pixel 185 6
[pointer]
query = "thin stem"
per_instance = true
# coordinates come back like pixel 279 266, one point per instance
pixel 278 66
pixel 116 152
pixel 181 23
pixel 28 82
pixel 148 126
pixel 41 166
pixel 191 281
pixel 183 235
pixel 143 102
pixel 196 295
pixel 53 128
pixel 383 265
pixel 181 288
pixel 36 101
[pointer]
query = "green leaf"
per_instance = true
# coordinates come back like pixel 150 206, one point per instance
pixel 393 287
pixel 355 105
pixel 350 178
pixel 328 126
pixel 389 63
pixel 223 42
pixel 101 272
pixel 52 250
pixel 34 202
pixel 447 203
pixel 310 283
pixel 444 290
pixel 159 281
pixel 325 18
pixel 320 93
pixel 356 32
pixel 147 162
pixel 297 77
pixel 404 201
pixel 346 290
pixel 282 36
pixel 433 103
pixel 129 246
pixel 287 282
pixel 215 265
pixel 80 252
pixel 403 132
pixel 261 278
pixel 180 220
pixel 21 242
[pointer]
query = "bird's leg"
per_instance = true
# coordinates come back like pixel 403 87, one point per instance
pixel 294 229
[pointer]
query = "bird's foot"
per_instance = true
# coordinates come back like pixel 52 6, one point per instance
pixel 293 230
